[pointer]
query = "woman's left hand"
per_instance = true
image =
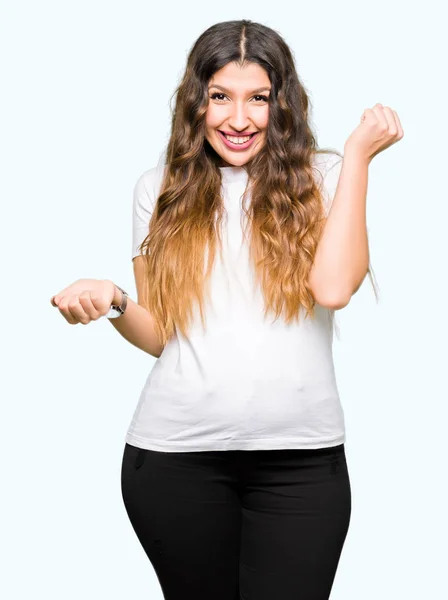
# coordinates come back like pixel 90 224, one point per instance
pixel 380 128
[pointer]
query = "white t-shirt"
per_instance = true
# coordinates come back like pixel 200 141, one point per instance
pixel 245 383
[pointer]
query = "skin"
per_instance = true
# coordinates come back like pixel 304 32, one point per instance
pixel 240 107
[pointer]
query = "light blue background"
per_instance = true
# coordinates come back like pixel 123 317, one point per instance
pixel 85 110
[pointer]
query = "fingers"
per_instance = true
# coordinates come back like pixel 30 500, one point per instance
pixel 58 297
pixel 97 306
pixel 87 302
pixel 382 117
pixel 388 119
pixel 398 122
pixel 77 309
pixel 71 309
pixel 367 114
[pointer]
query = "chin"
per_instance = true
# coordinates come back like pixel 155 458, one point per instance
pixel 233 161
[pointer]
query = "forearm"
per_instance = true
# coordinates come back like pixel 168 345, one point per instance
pixel 136 325
pixel 342 256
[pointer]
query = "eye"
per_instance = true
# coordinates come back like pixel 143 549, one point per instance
pixel 221 97
pixel 263 98
pixel 214 96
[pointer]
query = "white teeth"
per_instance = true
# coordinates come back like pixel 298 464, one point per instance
pixel 237 140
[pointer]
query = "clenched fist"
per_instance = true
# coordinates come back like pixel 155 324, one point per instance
pixel 85 300
pixel 380 128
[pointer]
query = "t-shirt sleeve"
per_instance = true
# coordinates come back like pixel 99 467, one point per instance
pixel 330 168
pixel 144 199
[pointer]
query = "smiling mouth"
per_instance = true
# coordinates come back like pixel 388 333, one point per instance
pixel 237 142
pixel 238 138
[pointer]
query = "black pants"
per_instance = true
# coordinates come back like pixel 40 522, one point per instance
pixel 240 525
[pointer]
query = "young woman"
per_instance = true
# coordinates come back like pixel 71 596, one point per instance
pixel 246 240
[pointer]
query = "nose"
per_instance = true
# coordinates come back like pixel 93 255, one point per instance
pixel 239 117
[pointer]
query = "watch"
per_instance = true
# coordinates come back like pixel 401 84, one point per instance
pixel 116 310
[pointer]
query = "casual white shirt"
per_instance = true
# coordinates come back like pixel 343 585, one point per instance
pixel 246 382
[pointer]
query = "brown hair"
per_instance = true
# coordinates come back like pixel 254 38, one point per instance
pixel 286 214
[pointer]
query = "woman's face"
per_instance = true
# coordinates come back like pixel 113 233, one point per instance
pixel 238 109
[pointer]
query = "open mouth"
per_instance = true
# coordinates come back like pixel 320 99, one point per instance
pixel 238 142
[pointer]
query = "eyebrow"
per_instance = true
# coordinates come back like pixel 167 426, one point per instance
pixel 257 91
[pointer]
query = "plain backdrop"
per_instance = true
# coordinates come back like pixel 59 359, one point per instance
pixel 85 92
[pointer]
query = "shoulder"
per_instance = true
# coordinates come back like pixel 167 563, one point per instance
pixel 327 167
pixel 326 162
pixel 147 189
pixel 150 181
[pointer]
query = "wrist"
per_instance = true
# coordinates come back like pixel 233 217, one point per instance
pixel 119 302
pixel 353 155
pixel 118 296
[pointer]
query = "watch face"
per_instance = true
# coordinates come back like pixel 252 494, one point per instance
pixel 113 313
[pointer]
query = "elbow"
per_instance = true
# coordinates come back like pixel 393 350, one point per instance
pixel 337 299
pixel 333 303
pixel 330 297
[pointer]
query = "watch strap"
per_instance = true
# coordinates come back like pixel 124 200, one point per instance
pixel 116 310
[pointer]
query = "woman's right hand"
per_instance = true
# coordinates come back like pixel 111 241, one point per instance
pixel 85 300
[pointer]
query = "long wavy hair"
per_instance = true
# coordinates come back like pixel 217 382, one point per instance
pixel 286 215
